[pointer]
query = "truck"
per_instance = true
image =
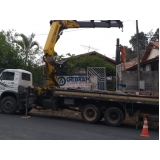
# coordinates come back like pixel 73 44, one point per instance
pixel 94 105
pixel 13 90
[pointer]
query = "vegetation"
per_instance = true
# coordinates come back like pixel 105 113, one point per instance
pixel 144 40
pixel 21 51
pixel 22 54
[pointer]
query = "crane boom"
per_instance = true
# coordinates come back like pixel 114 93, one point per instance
pixel 57 26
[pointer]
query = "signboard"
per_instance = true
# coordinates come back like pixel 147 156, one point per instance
pixel 122 86
pixel 74 82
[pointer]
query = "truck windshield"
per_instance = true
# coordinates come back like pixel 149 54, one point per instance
pixel 26 76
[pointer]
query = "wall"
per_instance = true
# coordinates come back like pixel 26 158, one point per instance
pixel 153 53
pixel 151 79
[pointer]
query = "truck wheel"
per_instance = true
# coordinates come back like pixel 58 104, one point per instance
pixel 90 114
pixel 23 111
pixel 113 116
pixel 8 105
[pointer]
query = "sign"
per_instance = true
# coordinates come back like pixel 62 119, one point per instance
pixel 74 82
pixel 122 86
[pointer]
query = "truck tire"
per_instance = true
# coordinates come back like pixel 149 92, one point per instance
pixel 113 116
pixel 90 114
pixel 23 111
pixel 8 105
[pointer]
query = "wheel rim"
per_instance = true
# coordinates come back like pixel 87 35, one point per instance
pixel 113 116
pixel 8 106
pixel 90 114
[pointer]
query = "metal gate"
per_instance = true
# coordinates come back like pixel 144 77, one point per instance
pixel 97 77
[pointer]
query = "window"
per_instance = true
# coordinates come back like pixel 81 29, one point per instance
pixel 148 67
pixel 8 76
pixel 26 76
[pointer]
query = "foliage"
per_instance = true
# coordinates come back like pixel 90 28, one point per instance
pixel 156 35
pixel 143 41
pixel 8 53
pixel 28 48
pixel 76 63
pixel 12 55
pixel 130 54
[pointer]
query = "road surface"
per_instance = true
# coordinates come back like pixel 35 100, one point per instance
pixel 48 127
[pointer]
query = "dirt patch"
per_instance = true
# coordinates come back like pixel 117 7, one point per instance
pixel 75 114
pixel 63 113
pixel 132 121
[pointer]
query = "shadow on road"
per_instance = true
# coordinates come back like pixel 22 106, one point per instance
pixel 74 119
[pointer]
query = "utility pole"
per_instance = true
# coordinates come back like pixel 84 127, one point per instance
pixel 138 58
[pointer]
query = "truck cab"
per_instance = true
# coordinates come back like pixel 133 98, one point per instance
pixel 13 90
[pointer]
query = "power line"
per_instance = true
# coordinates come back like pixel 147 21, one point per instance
pixel 126 20
pixel 64 32
pixel 89 47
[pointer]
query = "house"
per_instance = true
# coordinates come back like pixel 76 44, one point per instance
pixel 149 60
pixel 149 70
pixel 93 53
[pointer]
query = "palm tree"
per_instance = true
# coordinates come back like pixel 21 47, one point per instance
pixel 28 47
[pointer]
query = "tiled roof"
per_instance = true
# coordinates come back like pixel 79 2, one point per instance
pixel 156 44
pixel 131 63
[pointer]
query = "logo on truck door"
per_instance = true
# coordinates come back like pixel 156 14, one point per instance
pixel 5 85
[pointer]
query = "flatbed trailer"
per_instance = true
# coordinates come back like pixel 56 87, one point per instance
pixel 95 105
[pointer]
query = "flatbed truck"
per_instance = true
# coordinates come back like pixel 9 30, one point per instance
pixel 18 93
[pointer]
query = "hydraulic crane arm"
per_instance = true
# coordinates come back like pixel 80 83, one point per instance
pixel 57 26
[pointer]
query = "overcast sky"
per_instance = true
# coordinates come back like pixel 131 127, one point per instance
pixel 35 16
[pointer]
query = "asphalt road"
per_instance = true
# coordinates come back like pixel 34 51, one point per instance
pixel 47 127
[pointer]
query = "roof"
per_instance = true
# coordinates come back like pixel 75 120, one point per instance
pixel 145 62
pixel 148 50
pixel 18 70
pixel 96 53
pixel 133 61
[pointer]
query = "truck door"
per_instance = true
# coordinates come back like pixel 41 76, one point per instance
pixel 7 81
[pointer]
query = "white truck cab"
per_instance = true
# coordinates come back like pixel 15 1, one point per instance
pixel 13 89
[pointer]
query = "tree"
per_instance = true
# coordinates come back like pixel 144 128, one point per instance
pixel 130 54
pixel 143 41
pixel 156 35
pixel 76 63
pixel 8 53
pixel 10 57
pixel 28 48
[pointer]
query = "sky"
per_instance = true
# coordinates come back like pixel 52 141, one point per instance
pixel 33 16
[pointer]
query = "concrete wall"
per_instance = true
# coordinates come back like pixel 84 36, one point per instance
pixel 150 78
